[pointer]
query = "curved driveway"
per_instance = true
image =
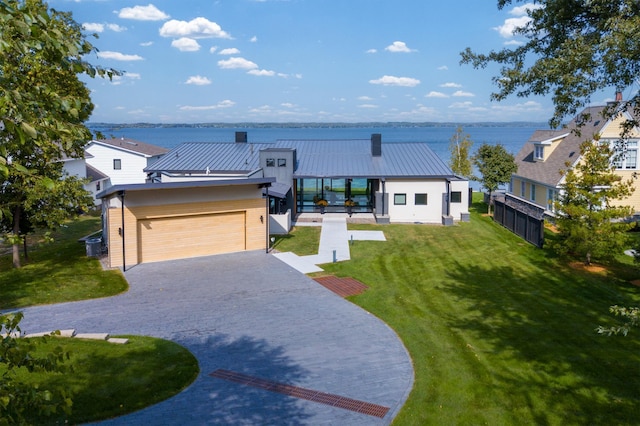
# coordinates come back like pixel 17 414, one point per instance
pixel 252 314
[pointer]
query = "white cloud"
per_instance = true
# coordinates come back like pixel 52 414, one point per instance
pixel 287 105
pixel 462 94
pixel 116 28
pixel 117 56
pixel 507 29
pixel 198 80
pixel 213 49
pixel 364 98
pixel 143 13
pixel 94 27
pixel 262 73
pixel 451 85
pixel 513 43
pixel 146 44
pixel 461 105
pixel 253 39
pixel 237 63
pixel 372 51
pixel 229 51
pixel 368 106
pixel 132 75
pixel 522 10
pixel 389 80
pixel 223 104
pixel 186 44
pixel 196 28
pixel 443 68
pixel 433 94
pixel 398 47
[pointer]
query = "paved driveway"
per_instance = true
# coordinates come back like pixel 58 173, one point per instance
pixel 252 314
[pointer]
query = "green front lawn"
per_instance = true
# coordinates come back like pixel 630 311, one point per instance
pixel 57 272
pixel 109 380
pixel 500 332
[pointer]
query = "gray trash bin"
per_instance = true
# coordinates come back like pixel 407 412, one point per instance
pixel 93 246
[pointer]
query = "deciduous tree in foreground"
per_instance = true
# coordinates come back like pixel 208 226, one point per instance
pixel 43 107
pixel 495 165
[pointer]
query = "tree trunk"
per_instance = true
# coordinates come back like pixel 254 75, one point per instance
pixel 489 204
pixel 15 248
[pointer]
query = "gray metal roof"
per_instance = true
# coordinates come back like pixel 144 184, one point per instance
pixel 262 182
pixel 352 158
pixel 217 157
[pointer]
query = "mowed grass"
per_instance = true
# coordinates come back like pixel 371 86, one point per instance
pixel 500 332
pixel 57 272
pixel 106 380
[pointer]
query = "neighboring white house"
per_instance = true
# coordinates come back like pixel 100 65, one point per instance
pixel 122 159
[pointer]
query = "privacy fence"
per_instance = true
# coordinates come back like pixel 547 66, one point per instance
pixel 520 217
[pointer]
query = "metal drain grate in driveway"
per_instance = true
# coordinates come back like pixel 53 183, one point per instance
pixel 302 393
pixel 343 287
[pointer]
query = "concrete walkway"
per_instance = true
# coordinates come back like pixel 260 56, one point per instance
pixel 251 314
pixel 334 244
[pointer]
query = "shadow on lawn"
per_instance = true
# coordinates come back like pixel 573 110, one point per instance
pixel 207 400
pixel 537 336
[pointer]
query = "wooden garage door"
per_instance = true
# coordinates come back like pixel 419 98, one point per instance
pixel 190 236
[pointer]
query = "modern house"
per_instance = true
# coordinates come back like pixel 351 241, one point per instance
pixel 397 182
pixel 152 222
pixel 545 158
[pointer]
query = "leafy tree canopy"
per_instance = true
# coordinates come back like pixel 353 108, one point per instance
pixel 573 49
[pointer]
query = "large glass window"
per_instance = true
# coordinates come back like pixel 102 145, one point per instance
pixel 420 199
pixel 625 155
pixel 335 192
pixel 456 197
pixel 400 199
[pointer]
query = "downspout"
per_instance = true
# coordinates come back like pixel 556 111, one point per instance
pixel 383 195
pixel 448 197
pixel 267 218
pixel 124 258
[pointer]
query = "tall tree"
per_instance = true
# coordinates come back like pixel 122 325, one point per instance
pixel 43 107
pixel 460 149
pixel 495 165
pixel 573 49
pixel 589 222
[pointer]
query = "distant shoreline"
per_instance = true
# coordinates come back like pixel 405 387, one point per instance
pixel 312 125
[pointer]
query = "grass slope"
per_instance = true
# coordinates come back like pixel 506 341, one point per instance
pixel 500 332
pixel 58 272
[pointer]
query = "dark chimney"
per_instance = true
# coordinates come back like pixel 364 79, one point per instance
pixel 241 137
pixel 376 145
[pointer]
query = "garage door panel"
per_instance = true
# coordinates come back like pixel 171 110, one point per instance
pixel 181 237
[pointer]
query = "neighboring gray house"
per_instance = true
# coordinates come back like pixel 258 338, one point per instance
pixel 397 182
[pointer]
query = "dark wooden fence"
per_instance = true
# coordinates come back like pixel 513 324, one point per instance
pixel 520 217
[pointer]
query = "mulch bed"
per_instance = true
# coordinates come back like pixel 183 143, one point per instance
pixel 343 287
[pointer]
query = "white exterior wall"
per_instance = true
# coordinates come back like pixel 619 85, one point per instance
pixel 431 213
pixel 463 207
pixel 132 164
pixel 76 167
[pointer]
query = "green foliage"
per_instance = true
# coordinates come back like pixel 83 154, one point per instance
pixel 632 315
pixel 21 403
pixel 589 223
pixel 495 165
pixel 43 107
pixel 460 148
pixel 573 49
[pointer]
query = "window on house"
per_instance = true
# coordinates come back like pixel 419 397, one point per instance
pixel 400 199
pixel 420 199
pixel 625 157
pixel 271 162
pixel 522 189
pixel 282 162
pixel 98 186
pixel 117 164
pixel 539 152
pixel 551 197
pixel 533 192
pixel 456 197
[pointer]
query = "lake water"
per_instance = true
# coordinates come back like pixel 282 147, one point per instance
pixel 512 137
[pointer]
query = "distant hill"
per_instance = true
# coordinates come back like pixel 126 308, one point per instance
pixel 541 125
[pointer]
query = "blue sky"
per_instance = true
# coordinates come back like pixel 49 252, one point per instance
pixel 298 60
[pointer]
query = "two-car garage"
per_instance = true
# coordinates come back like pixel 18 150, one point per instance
pixel 157 222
